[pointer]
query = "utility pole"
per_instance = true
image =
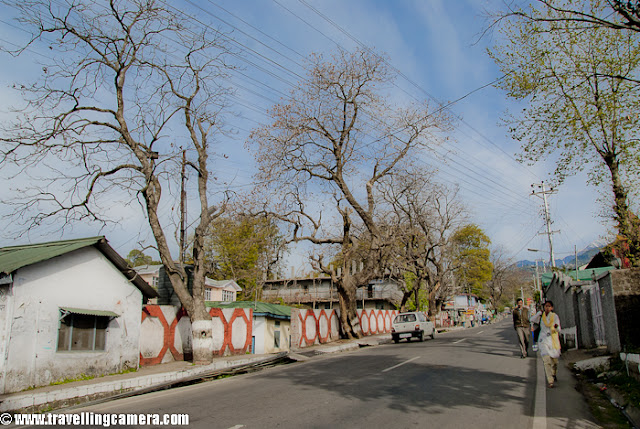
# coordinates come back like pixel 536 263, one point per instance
pixel 183 206
pixel 547 218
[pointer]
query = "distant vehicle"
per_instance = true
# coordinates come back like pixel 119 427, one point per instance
pixel 411 325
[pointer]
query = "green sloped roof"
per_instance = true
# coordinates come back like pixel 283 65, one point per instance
pixel 15 257
pixel 583 275
pixel 259 308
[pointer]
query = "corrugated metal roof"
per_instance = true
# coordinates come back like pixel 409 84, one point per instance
pixel 14 257
pixel 583 275
pixel 259 308
pixel 89 312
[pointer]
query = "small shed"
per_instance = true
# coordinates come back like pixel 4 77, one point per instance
pixel 271 332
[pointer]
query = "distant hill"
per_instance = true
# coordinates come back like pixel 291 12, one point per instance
pixel 584 256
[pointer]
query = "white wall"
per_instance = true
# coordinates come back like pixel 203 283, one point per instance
pixel 81 279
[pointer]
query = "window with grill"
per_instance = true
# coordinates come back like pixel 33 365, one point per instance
pixel 207 294
pixel 82 332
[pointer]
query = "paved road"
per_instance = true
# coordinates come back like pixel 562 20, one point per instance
pixel 472 378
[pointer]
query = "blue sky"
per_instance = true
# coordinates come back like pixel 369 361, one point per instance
pixel 436 46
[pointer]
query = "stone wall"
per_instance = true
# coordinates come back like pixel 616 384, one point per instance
pixel 626 290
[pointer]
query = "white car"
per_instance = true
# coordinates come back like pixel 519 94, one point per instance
pixel 410 325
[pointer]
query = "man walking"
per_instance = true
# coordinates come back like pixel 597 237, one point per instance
pixel 522 326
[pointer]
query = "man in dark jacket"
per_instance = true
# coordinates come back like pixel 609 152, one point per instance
pixel 522 326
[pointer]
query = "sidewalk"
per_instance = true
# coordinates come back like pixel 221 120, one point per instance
pixel 564 407
pixel 63 395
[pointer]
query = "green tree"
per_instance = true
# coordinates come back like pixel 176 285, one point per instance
pixel 581 99
pixel 473 258
pixel 246 249
pixel 136 257
pixel 613 14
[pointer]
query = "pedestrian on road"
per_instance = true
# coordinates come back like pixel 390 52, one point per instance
pixel 522 326
pixel 550 342
pixel 535 330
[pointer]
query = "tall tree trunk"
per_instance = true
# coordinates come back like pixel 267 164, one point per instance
pixel 405 297
pixel 349 321
pixel 201 332
pixel 193 303
pixel 432 304
pixel 620 194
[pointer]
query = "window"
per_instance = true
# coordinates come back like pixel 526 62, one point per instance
pixel 276 339
pixel 227 295
pixel 207 294
pixel 405 318
pixel 80 332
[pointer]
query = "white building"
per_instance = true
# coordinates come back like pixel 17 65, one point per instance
pixel 214 290
pixel 220 290
pixel 67 309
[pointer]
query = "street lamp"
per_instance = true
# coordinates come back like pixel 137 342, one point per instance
pixel 537 283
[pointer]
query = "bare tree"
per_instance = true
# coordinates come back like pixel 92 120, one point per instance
pixel 505 279
pixel 123 80
pixel 426 217
pixel 338 137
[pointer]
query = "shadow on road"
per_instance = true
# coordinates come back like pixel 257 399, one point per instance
pixel 424 385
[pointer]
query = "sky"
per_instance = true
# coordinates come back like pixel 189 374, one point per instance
pixel 437 48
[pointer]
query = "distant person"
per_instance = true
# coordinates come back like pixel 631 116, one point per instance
pixel 549 342
pixel 522 326
pixel 535 330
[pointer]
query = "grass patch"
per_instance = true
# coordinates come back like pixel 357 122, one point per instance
pixel 605 413
pixel 81 377
pixel 628 386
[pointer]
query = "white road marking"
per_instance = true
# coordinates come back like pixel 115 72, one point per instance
pixel 540 408
pixel 459 341
pixel 400 364
pixel 236 427
pixel 479 332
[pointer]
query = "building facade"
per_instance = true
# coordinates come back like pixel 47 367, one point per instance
pixel 321 293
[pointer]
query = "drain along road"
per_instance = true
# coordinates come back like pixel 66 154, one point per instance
pixel 467 378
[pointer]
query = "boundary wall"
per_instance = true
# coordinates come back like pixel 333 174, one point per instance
pixel 165 333
pixel 320 326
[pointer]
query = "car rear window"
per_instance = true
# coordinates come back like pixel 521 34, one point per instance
pixel 405 318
